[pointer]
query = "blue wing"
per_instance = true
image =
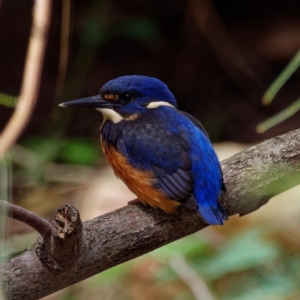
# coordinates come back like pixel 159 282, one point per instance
pixel 180 156
pixel 198 124
pixel 208 175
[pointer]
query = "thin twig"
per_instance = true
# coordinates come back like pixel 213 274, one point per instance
pixel 31 77
pixel 195 283
pixel 280 117
pixel 42 226
pixel 64 49
pixel 282 78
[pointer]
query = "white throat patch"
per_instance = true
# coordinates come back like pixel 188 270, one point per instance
pixel 156 104
pixel 110 114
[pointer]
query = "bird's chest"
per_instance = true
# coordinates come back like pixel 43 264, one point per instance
pixel 117 161
pixel 111 137
pixel 138 181
pixel 122 151
pixel 113 145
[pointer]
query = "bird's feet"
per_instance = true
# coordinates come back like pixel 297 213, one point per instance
pixel 134 201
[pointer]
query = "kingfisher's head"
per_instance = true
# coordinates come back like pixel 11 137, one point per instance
pixel 127 96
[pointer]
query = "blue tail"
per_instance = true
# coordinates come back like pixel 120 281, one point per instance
pixel 213 216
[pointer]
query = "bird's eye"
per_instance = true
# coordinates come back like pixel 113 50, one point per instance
pixel 127 98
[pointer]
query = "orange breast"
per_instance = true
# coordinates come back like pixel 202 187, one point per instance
pixel 139 182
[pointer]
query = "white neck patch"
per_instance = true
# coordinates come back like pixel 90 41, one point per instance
pixel 156 104
pixel 110 114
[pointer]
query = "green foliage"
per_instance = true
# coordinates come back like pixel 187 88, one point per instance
pixel 97 31
pixel 262 285
pixel 245 251
pixel 142 29
pixel 259 266
pixel 289 70
pixel 79 150
pixel 46 148
pixel 20 242
pixel 190 247
pixel 113 274
pixel 38 155
pixel 253 251
pixel 94 32
pixel 8 100
pixel 279 82
pixel 280 117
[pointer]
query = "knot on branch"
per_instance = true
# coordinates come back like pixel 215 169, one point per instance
pixel 66 222
pixel 64 246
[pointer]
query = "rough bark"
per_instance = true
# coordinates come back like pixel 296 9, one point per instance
pixel 252 177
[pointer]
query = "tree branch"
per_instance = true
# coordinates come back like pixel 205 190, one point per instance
pixel 42 226
pixel 252 177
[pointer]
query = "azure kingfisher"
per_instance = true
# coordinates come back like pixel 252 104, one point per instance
pixel 162 154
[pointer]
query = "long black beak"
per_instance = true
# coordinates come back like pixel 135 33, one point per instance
pixel 94 101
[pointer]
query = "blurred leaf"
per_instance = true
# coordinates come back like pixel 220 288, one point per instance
pixel 245 251
pixel 280 117
pixel 138 28
pixel 8 100
pixel 94 32
pixel 268 286
pixel 281 79
pixel 79 151
pixel 113 274
pixel 45 147
pixel 190 246
pixel 165 275
pixel 20 242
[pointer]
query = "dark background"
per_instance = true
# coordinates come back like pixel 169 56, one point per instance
pixel 217 60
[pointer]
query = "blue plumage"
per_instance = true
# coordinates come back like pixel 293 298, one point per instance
pixel 143 87
pixel 143 124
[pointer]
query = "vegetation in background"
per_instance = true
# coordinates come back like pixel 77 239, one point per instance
pixel 274 89
pixel 76 150
pixel 7 100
